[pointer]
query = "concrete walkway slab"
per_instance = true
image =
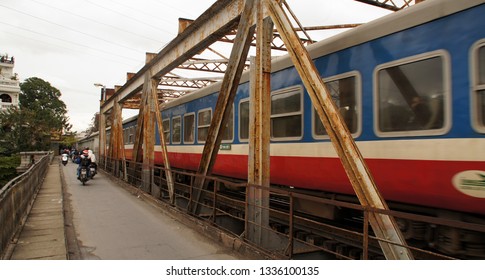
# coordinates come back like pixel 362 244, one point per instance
pixel 43 236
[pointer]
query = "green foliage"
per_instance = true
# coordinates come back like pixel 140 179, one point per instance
pixel 28 127
pixel 94 126
pixel 43 100
pixel 8 169
pixel 69 140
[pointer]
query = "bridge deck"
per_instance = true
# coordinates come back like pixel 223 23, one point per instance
pixel 108 222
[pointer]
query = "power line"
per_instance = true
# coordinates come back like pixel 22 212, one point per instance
pixel 175 8
pixel 71 29
pixel 140 11
pixel 132 18
pixel 60 39
pixel 98 22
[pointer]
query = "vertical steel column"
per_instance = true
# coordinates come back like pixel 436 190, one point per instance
pixel 163 144
pixel 102 138
pixel 116 146
pixel 227 92
pixel 119 148
pixel 259 133
pixel 137 145
pixel 148 134
pixel 384 226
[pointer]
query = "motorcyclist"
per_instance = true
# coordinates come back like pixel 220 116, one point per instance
pixel 92 157
pixel 64 157
pixel 83 161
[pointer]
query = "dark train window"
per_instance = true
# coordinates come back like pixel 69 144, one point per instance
pixel 203 123
pixel 244 120
pixel 166 130
pixel 479 89
pixel 228 131
pixel 176 130
pixel 286 113
pixel 131 138
pixel 189 128
pixel 411 96
pixel 344 92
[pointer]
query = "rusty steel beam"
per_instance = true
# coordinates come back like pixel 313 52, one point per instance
pixel 392 5
pixel 102 139
pixel 226 96
pixel 384 226
pixel 328 27
pixel 207 65
pixel 138 144
pixel 163 142
pixel 259 135
pixel 274 43
pixel 116 148
pixel 214 23
pixel 195 83
pixel 148 134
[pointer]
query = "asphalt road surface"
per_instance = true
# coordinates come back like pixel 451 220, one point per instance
pixel 112 224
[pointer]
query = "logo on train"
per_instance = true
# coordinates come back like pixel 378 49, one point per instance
pixel 470 182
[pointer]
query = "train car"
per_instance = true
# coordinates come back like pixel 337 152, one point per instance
pixel 410 87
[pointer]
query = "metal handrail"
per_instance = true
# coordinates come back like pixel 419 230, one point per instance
pixel 364 236
pixel 16 198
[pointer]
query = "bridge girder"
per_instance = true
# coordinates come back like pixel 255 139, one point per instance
pixel 213 26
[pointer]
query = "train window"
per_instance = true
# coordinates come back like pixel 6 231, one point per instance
pixel 176 130
pixel 204 121
pixel 412 96
pixel 189 128
pixel 344 90
pixel 244 120
pixel 131 132
pixel 228 131
pixel 166 130
pixel 125 136
pixel 478 97
pixel 286 113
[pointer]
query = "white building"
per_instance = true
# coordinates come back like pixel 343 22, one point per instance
pixel 9 83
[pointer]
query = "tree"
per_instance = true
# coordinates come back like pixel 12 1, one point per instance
pixel 94 126
pixel 44 100
pixel 40 112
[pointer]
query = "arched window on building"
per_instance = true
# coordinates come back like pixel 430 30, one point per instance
pixel 6 98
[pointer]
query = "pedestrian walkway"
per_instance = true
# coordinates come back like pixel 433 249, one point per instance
pixel 43 237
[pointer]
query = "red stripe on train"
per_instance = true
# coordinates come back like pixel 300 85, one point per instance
pixel 420 182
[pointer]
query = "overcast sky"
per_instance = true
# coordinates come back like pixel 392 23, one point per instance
pixel 74 44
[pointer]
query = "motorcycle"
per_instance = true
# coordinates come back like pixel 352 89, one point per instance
pixel 92 170
pixel 83 175
pixel 64 159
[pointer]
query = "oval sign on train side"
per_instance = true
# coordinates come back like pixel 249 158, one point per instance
pixel 470 182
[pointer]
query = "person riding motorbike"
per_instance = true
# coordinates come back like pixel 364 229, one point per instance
pixel 92 157
pixel 83 161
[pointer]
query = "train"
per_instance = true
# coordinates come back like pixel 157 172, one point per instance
pixel 410 87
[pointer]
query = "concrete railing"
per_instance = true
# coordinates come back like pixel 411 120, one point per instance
pixel 17 196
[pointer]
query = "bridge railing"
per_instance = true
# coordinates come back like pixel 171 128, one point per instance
pixel 294 229
pixel 16 198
